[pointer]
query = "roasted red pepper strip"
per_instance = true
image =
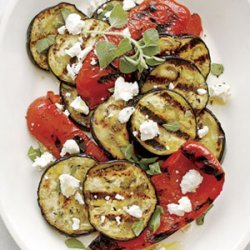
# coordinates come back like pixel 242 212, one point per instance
pixel 191 155
pixel 165 15
pixel 52 128
pixel 194 27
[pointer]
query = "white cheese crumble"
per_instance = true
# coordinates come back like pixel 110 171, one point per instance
pixel 107 198
pixel 149 130
pixel 68 184
pixel 107 14
pixel 125 114
pixel 201 91
pixel 135 133
pixel 93 5
pixel 119 197
pixel 75 224
pixel 126 32
pixel 79 105
pixel 74 50
pixel 43 161
pixel 102 219
pixel 82 55
pixel 61 30
pixel 203 131
pixel 74 24
pixel 134 211
pixel 191 181
pixel 59 106
pixel 74 69
pixel 118 220
pixel 171 86
pixel 128 4
pixel 93 62
pixel 66 112
pixel 79 198
pixel 125 90
pixel 68 94
pixel 180 209
pixel 70 147
pixel 220 92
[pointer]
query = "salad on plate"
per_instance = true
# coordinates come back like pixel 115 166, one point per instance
pixel 128 147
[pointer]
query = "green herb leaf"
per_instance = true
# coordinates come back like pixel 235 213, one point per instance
pixel 155 220
pixel 154 61
pixel 109 7
pixel 43 44
pixel 144 162
pixel 217 69
pixel 137 227
pixel 129 153
pixel 151 50
pixel 65 13
pixel 73 169
pixel 200 221
pixel 105 52
pixel 172 126
pixel 33 153
pixel 154 169
pixel 74 243
pixel 126 66
pixel 151 37
pixel 123 47
pixel 118 17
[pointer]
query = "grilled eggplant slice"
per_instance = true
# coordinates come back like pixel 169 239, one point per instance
pixel 110 190
pixel 55 207
pixel 175 118
pixel 191 48
pixel 107 130
pixel 100 13
pixel 184 77
pixel 68 94
pixel 57 57
pixel 215 139
pixel 45 25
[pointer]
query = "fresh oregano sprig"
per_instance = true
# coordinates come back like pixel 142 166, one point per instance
pixel 144 51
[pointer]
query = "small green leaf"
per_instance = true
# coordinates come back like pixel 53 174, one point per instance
pixel 123 47
pixel 73 169
pixel 155 220
pixel 151 50
pixel 137 227
pixel 109 7
pixel 126 66
pixel 167 106
pixel 144 162
pixel 111 90
pixel 74 243
pixel 154 169
pixel 154 61
pixel 200 221
pixel 33 153
pixel 142 65
pixel 65 13
pixel 118 17
pixel 172 126
pixel 129 153
pixel 43 44
pixel 217 69
pixel 105 52
pixel 151 37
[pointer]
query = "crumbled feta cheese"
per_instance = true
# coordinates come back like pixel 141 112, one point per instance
pixel 93 62
pixel 180 209
pixel 161 248
pixel 68 184
pixel 191 181
pixel 74 50
pixel 135 133
pixel 107 198
pixel 125 90
pixel 139 1
pixel 126 32
pixel 79 105
pixel 201 91
pixel 76 224
pixel 203 131
pixel 66 112
pixel 102 219
pixel 125 114
pixel 95 196
pixel 99 11
pixel 68 94
pixel 74 69
pixel 119 197
pixel 171 86
pixel 107 14
pixel 43 161
pixel 61 30
pixel 46 177
pixel 82 55
pixel 128 4
pixel 59 106
pixel 118 220
pixel 94 4
pixel 134 211
pixel 79 198
pixel 70 147
pixel 220 92
pixel 74 24
pixel 149 130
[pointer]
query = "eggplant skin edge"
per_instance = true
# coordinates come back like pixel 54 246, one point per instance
pixel 43 214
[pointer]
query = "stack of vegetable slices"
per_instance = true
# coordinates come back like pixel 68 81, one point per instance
pixel 136 81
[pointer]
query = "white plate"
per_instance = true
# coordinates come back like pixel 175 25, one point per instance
pixel 227 226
